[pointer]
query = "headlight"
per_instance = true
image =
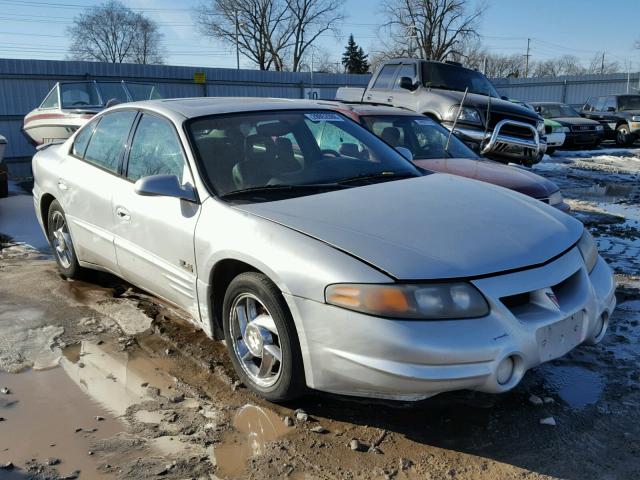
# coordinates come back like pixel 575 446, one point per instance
pixel 415 302
pixel 469 115
pixel 561 130
pixel 555 198
pixel 635 118
pixel 588 250
pixel 599 128
pixel 540 127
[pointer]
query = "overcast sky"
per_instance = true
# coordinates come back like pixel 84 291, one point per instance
pixel 36 29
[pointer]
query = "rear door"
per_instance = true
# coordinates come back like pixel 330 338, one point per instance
pixel 154 235
pixel 381 90
pixel 87 181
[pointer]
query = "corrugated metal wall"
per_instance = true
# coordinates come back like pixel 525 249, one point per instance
pixel 24 83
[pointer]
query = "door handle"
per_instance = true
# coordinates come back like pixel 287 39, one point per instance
pixel 369 97
pixel 62 186
pixel 123 214
pixel 389 99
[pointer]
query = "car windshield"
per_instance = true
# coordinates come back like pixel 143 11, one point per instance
pixel 629 102
pixel 558 110
pixel 424 137
pixel 453 77
pixel 291 152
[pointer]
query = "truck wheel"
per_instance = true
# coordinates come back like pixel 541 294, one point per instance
pixel 551 150
pixel 623 136
pixel 261 338
pixel 61 242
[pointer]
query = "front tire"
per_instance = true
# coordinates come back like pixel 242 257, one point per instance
pixel 61 242
pixel 261 338
pixel 623 136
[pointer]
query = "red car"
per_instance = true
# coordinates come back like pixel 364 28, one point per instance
pixel 427 141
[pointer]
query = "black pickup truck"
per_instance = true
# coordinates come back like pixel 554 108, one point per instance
pixel 492 125
pixel 618 114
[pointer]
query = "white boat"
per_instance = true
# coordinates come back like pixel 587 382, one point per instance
pixel 69 105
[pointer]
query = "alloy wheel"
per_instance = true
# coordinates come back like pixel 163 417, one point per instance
pixel 61 239
pixel 256 341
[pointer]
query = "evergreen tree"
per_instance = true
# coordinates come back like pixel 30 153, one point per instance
pixel 354 59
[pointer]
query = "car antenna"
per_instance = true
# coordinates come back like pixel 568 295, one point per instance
pixel 455 120
pixel 486 120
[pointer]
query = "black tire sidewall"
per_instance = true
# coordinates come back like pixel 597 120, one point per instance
pixel 628 136
pixel 74 270
pixel 291 382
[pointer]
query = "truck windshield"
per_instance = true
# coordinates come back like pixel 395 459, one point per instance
pixel 629 102
pixel 453 77
pixel 425 138
pixel 558 110
pixel 291 152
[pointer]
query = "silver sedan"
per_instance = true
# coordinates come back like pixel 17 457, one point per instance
pixel 322 256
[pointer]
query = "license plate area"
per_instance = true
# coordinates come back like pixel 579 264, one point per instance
pixel 558 338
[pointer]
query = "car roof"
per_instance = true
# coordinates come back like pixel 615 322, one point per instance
pixel 368 108
pixel 193 107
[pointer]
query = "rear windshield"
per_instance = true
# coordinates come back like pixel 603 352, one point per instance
pixel 629 102
pixel 247 151
pixel 425 138
pixel 452 77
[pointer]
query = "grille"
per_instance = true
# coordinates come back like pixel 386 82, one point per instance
pixel 583 128
pixel 495 117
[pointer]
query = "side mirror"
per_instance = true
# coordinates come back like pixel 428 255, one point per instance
pixel 165 186
pixel 504 97
pixel 405 152
pixel 406 83
pixel 538 108
pixel 610 109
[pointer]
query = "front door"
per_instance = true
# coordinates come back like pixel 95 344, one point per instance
pixel 381 91
pixel 154 235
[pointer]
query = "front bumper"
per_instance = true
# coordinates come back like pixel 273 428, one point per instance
pixel 498 144
pixel 555 140
pixel 349 353
pixel 581 139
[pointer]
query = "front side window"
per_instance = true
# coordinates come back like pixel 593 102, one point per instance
pixel 610 105
pixel 109 138
pixel 155 150
pixel 385 77
pixel 52 100
pixel 425 138
pixel 82 139
pixel 81 94
pixel 248 151
pixel 405 71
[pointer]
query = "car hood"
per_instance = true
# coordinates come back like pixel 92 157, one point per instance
pixel 514 178
pixel 566 121
pixel 481 102
pixel 630 113
pixel 433 227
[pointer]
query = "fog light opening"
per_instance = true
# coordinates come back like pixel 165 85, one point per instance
pixel 505 370
pixel 601 326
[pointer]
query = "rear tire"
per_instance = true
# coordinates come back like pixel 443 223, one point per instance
pixel 61 242
pixel 258 329
pixel 623 136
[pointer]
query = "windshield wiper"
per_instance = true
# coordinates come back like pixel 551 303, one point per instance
pixel 378 175
pixel 284 188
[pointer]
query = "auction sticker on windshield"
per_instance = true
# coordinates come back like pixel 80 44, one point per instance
pixel 324 117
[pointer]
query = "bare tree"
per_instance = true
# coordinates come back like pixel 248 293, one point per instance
pixel 309 20
pixel 114 33
pixel 601 65
pixel 430 29
pixel 504 66
pixel 261 27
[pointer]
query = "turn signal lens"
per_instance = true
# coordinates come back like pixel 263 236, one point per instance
pixel 588 250
pixel 428 301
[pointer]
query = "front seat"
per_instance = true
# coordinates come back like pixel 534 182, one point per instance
pixel 287 162
pixel 391 135
pixel 258 165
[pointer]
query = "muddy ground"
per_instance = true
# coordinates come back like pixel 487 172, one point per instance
pixel 102 381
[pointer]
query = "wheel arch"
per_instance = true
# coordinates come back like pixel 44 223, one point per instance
pixel 45 203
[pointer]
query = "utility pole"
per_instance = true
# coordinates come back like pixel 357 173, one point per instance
pixel 484 65
pixel 526 58
pixel 602 65
pixel 237 43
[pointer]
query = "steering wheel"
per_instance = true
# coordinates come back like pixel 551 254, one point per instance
pixel 80 102
pixel 328 151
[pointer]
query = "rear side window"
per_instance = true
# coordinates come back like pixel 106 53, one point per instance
pixel 588 107
pixel 82 139
pixel 385 77
pixel 600 104
pixel 155 150
pixel 108 140
pixel 610 103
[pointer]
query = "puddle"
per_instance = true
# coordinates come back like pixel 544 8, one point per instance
pixel 41 423
pixel 609 193
pixel 577 386
pixel 255 427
